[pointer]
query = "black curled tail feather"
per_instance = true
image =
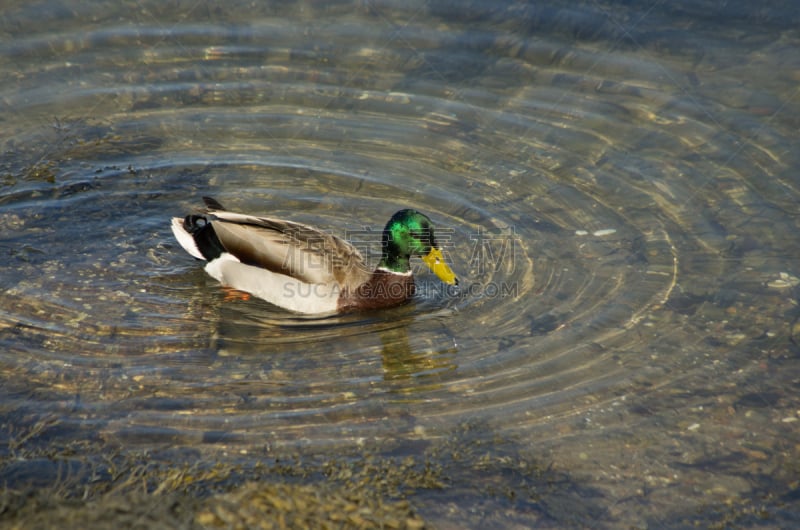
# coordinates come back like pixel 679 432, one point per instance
pixel 212 204
pixel 204 236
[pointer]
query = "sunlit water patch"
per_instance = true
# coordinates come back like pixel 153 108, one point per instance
pixel 618 196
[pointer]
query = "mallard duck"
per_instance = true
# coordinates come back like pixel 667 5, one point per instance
pixel 306 270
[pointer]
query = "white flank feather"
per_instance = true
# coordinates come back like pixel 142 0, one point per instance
pixel 279 289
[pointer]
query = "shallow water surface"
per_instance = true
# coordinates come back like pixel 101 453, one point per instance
pixel 615 183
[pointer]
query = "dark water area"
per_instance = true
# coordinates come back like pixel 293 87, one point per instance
pixel 615 183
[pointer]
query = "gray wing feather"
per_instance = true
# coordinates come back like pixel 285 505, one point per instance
pixel 289 248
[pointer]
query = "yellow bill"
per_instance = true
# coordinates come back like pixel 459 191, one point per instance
pixel 435 263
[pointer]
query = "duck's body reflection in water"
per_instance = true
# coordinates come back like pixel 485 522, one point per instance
pixel 341 355
pixel 425 363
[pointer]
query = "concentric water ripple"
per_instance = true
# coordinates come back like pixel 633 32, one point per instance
pixel 621 208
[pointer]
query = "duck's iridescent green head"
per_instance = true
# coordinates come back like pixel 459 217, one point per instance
pixel 410 233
